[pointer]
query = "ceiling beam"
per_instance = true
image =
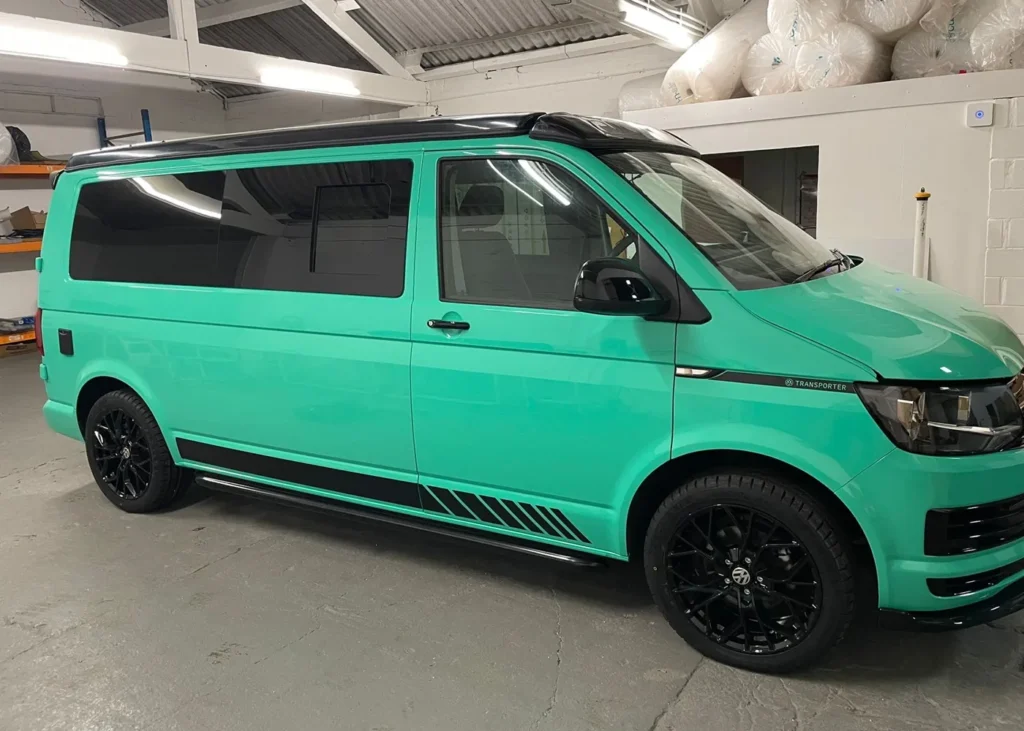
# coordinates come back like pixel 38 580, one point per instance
pixel 216 14
pixel 183 23
pixel 356 36
pixel 113 52
pixel 242 67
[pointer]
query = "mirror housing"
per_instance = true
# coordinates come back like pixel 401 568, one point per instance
pixel 614 286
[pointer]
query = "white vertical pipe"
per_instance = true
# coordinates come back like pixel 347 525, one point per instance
pixel 921 235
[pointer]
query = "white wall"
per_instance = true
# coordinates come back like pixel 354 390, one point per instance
pixel 587 84
pixel 584 84
pixel 880 144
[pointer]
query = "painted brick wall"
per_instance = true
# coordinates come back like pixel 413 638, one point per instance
pixel 1004 259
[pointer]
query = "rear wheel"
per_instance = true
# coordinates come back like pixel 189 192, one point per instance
pixel 128 456
pixel 751 571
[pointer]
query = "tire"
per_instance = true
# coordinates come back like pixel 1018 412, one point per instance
pixel 120 420
pixel 798 590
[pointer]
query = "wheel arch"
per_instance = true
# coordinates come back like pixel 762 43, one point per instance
pixel 105 378
pixel 666 478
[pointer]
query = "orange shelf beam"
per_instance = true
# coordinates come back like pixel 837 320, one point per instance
pixel 21 247
pixel 24 171
pixel 27 337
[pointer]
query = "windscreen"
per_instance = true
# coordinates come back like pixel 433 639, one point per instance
pixel 753 246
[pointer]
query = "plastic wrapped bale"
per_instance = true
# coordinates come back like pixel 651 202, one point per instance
pixel 726 8
pixel 8 148
pixel 1017 59
pixel 711 69
pixel 940 14
pixel 920 53
pixel 997 35
pixel 845 56
pixel 799 21
pixel 887 20
pixel 771 67
pixel 642 93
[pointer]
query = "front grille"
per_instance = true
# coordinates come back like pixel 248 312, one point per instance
pixel 955 531
pixel 970 584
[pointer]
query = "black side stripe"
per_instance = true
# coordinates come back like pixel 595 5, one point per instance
pixel 343 482
pixel 451 502
pixel 503 514
pixel 521 516
pixel 543 524
pixel 518 516
pixel 473 503
pixel 554 522
pixel 569 524
pixel 431 503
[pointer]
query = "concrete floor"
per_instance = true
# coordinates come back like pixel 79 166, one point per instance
pixel 227 614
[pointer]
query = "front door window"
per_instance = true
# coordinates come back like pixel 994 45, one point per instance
pixel 517 231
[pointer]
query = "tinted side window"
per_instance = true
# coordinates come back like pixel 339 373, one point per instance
pixel 517 232
pixel 337 228
pixel 156 230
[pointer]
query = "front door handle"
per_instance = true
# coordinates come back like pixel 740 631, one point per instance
pixel 447 325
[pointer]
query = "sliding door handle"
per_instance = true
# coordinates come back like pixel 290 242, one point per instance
pixel 447 325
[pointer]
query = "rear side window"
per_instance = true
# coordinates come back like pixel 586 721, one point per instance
pixel 338 228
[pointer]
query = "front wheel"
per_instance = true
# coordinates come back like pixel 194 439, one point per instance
pixel 751 571
pixel 128 455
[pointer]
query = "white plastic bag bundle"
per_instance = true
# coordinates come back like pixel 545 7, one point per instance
pixel 711 69
pixel 771 67
pixel 940 14
pixel 642 93
pixel 726 8
pixel 8 148
pixel 799 21
pixel 997 35
pixel 887 20
pixel 845 56
pixel 920 53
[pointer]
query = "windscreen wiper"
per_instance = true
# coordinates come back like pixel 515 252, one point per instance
pixel 839 259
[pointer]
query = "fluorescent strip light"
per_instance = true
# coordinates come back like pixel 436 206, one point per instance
pixel 308 81
pixel 59 46
pixel 177 195
pixel 657 25
pixel 507 180
pixel 545 181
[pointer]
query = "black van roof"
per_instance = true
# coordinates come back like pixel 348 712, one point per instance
pixel 592 133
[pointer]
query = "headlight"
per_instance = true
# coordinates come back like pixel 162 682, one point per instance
pixel 948 420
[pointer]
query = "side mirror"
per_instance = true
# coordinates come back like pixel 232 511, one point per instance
pixel 616 287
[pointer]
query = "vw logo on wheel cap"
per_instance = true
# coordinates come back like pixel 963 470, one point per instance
pixel 741 576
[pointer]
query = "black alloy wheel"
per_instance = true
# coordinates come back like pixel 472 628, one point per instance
pixel 752 570
pixel 128 455
pixel 122 455
pixel 744 580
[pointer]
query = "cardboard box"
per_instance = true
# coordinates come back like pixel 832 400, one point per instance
pixel 16 349
pixel 25 219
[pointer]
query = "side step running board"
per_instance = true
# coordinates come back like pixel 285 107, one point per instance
pixel 313 502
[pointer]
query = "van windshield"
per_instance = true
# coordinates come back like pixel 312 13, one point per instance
pixel 752 245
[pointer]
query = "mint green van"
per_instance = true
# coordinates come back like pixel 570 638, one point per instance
pixel 565 336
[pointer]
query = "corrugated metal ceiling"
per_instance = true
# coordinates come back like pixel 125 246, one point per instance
pixel 403 25
pixel 466 28
pixel 294 33
pixel 127 12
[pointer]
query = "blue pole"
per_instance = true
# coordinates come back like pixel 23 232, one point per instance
pixel 101 124
pixel 147 130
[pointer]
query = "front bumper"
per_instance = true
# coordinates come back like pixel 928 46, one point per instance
pixel 1006 602
pixel 891 500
